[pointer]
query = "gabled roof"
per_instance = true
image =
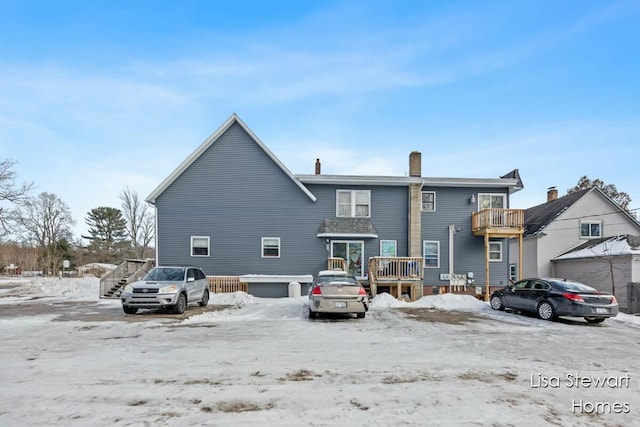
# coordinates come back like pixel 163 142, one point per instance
pixel 151 198
pixel 538 217
pixel 625 244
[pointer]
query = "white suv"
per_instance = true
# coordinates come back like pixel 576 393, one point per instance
pixel 167 287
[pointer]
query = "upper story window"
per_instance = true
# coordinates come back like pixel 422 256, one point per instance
pixel 199 245
pixel 590 229
pixel 270 247
pixel 428 201
pixel 492 201
pixel 353 203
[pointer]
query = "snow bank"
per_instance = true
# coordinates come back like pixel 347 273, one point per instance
pixel 69 289
pixel 236 299
pixel 440 302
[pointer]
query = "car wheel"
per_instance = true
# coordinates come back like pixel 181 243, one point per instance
pixel 594 319
pixel 361 315
pixel 546 311
pixel 129 310
pixel 496 302
pixel 205 299
pixel 181 305
pixel 312 314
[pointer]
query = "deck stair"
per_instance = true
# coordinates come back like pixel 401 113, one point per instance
pixel 130 270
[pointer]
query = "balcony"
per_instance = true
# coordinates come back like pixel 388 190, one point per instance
pixel 498 222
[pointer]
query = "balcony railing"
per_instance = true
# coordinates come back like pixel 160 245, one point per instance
pixel 396 268
pixel 501 221
pixel 336 264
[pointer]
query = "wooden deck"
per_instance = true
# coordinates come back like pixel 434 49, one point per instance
pixel 401 277
pixel 226 284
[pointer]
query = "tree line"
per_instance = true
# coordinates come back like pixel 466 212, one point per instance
pixel 36 230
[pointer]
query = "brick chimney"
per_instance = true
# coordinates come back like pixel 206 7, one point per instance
pixel 552 194
pixel 415 164
pixel 317 166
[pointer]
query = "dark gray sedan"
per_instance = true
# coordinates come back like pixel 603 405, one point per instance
pixel 550 298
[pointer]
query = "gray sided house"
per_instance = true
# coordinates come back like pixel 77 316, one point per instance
pixel 233 209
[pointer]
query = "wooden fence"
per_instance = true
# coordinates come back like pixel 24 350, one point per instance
pixel 226 284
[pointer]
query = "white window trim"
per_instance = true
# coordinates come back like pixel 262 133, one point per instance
pixel 208 246
pixel 513 272
pixel 504 198
pixel 262 247
pixel 490 251
pixel 599 222
pixel 424 242
pixel 395 246
pixel 353 203
pixel 434 201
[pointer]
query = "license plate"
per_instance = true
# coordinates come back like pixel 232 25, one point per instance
pixel 340 304
pixel 602 310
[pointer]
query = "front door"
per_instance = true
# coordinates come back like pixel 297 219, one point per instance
pixel 352 253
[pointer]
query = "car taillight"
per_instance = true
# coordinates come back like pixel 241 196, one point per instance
pixel 573 297
pixel 316 291
pixel 362 292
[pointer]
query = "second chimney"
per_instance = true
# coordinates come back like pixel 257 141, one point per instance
pixel 552 194
pixel 415 164
pixel 317 166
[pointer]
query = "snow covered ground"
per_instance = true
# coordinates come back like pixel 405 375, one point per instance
pixel 442 360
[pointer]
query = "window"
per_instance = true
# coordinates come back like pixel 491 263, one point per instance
pixel 428 201
pixel 513 272
pixel 353 203
pixel 270 247
pixel 495 251
pixel 590 229
pixel 199 245
pixel 388 248
pixel 431 251
pixel 492 201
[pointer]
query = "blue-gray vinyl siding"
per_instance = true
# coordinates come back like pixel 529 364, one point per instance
pixel 453 208
pixel 235 194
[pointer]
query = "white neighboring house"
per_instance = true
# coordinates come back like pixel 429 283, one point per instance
pixel 609 264
pixel 563 223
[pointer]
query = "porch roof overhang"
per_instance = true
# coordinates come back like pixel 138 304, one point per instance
pixel 361 228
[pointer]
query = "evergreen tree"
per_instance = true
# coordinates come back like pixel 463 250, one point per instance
pixel 107 233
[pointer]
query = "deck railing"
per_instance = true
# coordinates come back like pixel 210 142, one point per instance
pixel 398 268
pixel 498 218
pixel 226 284
pixel 336 264
pixel 128 271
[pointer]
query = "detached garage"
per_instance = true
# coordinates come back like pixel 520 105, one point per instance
pixel 610 264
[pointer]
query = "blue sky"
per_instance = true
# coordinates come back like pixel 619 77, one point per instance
pixel 99 95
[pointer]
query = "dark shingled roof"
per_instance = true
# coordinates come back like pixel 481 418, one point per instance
pixel 538 217
pixel 347 226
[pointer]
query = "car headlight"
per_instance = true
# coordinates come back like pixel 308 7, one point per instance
pixel 128 289
pixel 171 289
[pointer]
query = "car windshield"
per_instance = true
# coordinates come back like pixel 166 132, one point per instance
pixel 575 286
pixel 165 274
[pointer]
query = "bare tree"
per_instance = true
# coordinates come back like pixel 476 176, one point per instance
pixel 140 221
pixel 47 221
pixel 10 192
pixel 620 197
